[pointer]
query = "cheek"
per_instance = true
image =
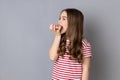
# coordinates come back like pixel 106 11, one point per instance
pixel 65 29
pixel 65 26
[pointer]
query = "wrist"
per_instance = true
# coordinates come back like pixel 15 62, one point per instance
pixel 58 34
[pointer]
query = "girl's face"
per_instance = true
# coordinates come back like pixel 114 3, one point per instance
pixel 63 21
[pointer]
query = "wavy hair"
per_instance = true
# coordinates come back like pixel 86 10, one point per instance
pixel 74 33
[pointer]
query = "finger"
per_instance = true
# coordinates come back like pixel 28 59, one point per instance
pixel 51 26
pixel 56 27
pixel 59 27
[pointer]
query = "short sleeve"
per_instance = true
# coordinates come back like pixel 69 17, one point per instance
pixel 86 48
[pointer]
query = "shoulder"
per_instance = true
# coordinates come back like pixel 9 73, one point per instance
pixel 85 43
pixel 86 48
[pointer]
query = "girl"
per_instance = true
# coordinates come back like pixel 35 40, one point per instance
pixel 70 52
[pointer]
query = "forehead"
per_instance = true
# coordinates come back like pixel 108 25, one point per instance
pixel 63 14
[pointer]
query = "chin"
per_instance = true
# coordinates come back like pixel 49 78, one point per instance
pixel 62 32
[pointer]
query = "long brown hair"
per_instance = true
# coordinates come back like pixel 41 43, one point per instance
pixel 74 33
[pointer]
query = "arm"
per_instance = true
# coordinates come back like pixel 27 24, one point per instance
pixel 53 50
pixel 55 45
pixel 86 66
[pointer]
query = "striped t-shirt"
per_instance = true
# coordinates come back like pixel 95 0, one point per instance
pixel 66 69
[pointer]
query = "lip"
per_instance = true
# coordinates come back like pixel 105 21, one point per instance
pixel 60 25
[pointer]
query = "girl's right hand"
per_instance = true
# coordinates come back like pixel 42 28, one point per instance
pixel 56 29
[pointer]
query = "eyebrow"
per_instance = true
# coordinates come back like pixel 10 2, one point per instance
pixel 64 16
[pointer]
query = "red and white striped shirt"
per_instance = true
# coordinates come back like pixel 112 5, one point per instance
pixel 66 69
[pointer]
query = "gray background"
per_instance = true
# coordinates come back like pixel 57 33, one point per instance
pixel 25 37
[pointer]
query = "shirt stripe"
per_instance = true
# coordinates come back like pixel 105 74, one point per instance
pixel 66 69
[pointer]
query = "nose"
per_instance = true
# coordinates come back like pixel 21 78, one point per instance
pixel 59 22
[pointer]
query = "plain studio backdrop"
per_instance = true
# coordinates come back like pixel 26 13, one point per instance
pixel 25 37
